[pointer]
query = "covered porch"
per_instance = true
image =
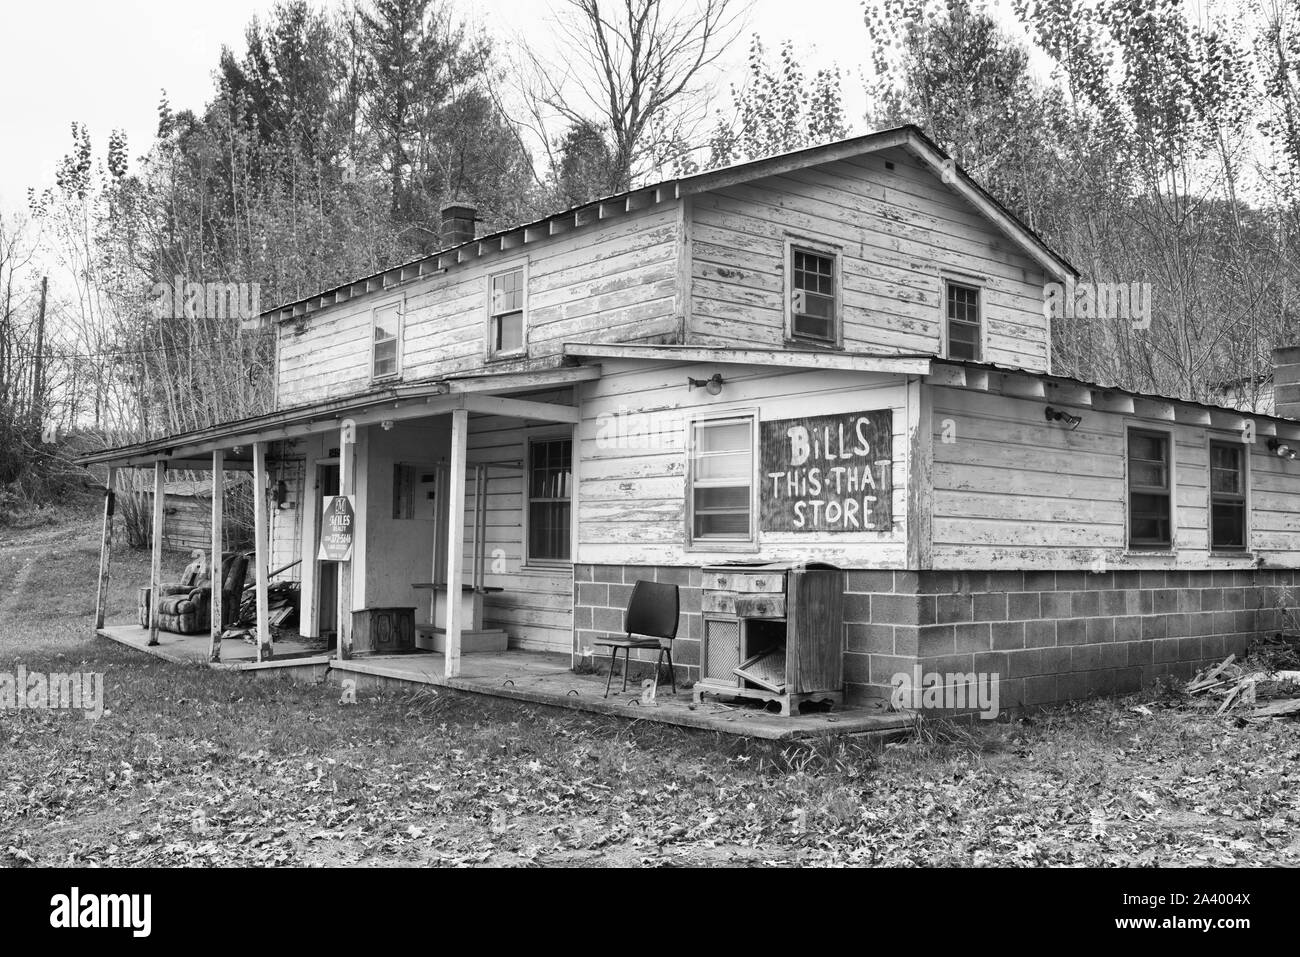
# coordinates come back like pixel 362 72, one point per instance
pixel 456 440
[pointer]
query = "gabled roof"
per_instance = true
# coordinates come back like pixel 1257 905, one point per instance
pixel 909 137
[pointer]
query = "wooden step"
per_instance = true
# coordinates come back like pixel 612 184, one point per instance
pixel 487 640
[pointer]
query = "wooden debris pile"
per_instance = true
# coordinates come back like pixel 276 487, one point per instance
pixel 1255 688
pixel 282 603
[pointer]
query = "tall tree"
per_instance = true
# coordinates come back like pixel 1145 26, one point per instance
pixel 1161 102
pixel 634 69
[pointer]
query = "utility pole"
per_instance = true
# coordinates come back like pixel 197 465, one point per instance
pixel 38 375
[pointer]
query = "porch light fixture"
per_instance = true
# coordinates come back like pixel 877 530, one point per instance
pixel 1281 450
pixel 711 385
pixel 1056 415
pixel 387 425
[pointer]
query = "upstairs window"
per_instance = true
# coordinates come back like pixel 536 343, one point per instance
pixel 1227 496
pixel 1150 483
pixel 506 313
pixel 812 300
pixel 387 327
pixel 550 496
pixel 722 476
pixel 965 337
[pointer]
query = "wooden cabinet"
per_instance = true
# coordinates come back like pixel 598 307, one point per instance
pixel 383 631
pixel 773 633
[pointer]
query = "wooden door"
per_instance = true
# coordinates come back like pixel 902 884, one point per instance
pixel 327 573
pixel 815 636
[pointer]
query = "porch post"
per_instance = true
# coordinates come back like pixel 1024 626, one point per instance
pixel 264 649
pixel 435 572
pixel 343 579
pixel 106 548
pixel 456 540
pixel 155 568
pixel 217 604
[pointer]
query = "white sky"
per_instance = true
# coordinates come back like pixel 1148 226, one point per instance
pixel 106 63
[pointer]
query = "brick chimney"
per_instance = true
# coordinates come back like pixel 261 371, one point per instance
pixel 1286 382
pixel 457 224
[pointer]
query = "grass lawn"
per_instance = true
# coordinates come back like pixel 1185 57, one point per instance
pixel 195 767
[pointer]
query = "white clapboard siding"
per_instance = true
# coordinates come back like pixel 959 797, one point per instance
pixel 535 605
pixel 632 483
pixel 1275 506
pixel 898 231
pixel 1012 490
pixel 611 281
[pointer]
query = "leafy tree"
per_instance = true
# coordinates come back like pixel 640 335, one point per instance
pixel 778 109
pixel 586 164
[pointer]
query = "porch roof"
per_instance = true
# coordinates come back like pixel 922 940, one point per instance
pixel 1105 397
pixel 898 364
pixel 487 393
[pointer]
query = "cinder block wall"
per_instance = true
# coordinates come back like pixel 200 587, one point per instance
pixel 601 594
pixel 1060 636
pixel 1049 636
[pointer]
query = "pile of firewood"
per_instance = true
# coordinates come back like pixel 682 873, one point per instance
pixel 1254 688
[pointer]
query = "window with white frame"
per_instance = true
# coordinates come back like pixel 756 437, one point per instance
pixel 550 499
pixel 506 312
pixel 965 335
pixel 721 478
pixel 386 322
pixel 1227 496
pixel 814 311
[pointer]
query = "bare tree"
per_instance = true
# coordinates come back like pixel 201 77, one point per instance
pixel 635 69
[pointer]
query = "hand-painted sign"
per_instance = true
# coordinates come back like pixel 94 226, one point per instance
pixel 828 473
pixel 336 529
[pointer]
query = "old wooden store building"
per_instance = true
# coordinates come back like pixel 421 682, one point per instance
pixel 813 391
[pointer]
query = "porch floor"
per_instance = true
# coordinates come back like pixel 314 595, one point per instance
pixel 533 677
pixel 193 649
pixel 542 678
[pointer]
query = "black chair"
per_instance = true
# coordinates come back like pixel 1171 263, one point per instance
pixel 650 621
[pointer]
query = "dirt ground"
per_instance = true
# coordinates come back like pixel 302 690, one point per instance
pixel 191 767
